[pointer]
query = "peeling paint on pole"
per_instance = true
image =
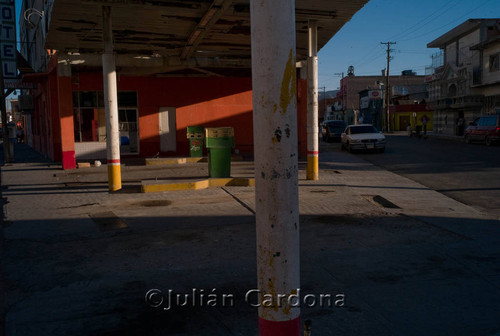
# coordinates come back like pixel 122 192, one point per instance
pixel 276 177
pixel 289 84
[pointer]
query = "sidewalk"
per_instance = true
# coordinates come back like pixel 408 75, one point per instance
pixel 78 260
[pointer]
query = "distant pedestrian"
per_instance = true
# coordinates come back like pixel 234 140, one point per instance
pixel 409 130
pixel 424 122
pixel 20 135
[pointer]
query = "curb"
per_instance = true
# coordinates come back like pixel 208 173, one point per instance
pixel 148 187
pixel 173 161
pixel 184 160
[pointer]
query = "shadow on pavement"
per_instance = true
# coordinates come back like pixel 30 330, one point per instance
pixel 399 276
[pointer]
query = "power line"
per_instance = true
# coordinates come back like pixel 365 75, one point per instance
pixel 424 21
pixel 447 24
pixel 370 60
pixel 414 52
pixel 369 53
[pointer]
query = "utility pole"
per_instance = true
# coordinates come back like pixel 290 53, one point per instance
pixel 324 101
pixel 341 89
pixel 387 92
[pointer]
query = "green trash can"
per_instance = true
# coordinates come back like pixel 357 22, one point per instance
pixel 195 137
pixel 219 143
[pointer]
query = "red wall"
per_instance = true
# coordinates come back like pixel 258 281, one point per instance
pixel 408 108
pixel 209 102
pixel 54 132
pixel 46 132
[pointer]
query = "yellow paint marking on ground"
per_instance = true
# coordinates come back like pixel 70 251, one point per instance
pixel 148 187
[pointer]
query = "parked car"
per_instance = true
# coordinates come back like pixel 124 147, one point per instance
pixel 364 136
pixel 485 128
pixel 332 129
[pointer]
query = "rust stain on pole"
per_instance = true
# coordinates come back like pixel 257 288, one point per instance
pixel 287 308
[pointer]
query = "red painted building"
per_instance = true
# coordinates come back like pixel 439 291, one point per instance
pixel 68 123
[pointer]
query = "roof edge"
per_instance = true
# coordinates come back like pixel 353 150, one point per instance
pixel 459 30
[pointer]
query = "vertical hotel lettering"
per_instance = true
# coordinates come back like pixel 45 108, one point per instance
pixel 8 38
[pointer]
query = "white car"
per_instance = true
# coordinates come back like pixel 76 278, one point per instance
pixel 364 136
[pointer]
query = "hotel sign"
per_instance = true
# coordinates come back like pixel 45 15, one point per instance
pixel 8 38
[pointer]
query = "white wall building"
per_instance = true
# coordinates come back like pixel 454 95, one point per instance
pixel 468 83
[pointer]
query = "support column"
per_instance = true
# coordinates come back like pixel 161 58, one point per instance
pixel 274 81
pixel 312 103
pixel 111 104
pixel 64 114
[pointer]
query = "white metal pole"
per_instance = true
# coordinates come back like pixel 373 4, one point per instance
pixel 312 103
pixel 274 82
pixel 111 104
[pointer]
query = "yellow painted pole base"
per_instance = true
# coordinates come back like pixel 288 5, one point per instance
pixel 114 177
pixel 312 170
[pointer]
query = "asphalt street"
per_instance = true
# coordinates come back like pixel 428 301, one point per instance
pixel 467 173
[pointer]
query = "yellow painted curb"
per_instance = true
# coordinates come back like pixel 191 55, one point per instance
pixel 173 161
pixel 236 157
pixel 232 182
pixel 148 187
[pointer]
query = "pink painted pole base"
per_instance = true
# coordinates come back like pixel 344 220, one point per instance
pixel 68 160
pixel 282 328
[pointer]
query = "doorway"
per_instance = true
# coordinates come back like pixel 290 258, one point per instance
pixel 404 121
pixel 167 129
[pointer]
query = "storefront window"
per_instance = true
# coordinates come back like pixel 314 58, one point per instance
pixel 90 119
pixel 128 130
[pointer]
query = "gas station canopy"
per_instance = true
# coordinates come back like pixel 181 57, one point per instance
pixel 180 37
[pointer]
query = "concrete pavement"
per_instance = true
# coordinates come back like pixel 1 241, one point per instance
pixel 400 259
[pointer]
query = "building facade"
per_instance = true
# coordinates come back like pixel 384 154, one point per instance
pixel 154 113
pixel 363 96
pixel 467 85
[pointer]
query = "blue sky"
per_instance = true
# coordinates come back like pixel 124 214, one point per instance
pixel 411 24
pixel 18 8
